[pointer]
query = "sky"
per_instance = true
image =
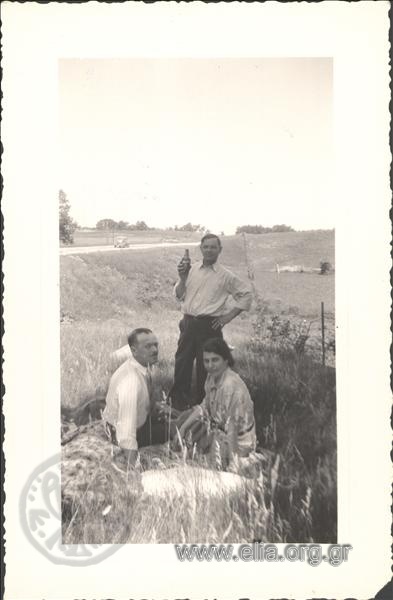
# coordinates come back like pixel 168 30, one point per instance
pixel 216 142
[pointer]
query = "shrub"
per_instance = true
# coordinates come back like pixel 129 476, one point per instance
pixel 325 267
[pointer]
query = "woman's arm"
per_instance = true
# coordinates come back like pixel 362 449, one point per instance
pixel 238 415
pixel 232 437
pixel 195 415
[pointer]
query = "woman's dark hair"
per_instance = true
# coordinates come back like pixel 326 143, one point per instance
pixel 220 347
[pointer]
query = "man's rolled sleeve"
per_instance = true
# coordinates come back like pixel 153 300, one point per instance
pixel 240 292
pixel 126 425
pixel 181 299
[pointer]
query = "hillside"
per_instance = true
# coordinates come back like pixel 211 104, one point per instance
pixel 305 248
pixel 114 285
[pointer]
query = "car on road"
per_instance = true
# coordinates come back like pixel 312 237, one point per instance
pixel 121 242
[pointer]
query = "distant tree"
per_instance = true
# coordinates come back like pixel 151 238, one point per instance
pixel 325 267
pixel 249 229
pixel 281 228
pixel 141 226
pixel 67 225
pixel 260 229
pixel 190 227
pixel 122 224
pixel 106 224
pixel 187 227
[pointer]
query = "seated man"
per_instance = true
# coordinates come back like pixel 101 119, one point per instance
pixel 129 401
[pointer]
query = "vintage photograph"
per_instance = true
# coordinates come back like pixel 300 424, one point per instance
pixel 197 300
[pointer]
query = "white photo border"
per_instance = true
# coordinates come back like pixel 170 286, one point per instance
pixel 35 36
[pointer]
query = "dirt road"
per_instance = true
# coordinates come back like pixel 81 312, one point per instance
pixel 86 249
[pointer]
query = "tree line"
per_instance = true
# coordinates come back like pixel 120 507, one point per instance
pixel 111 224
pixel 67 225
pixel 261 229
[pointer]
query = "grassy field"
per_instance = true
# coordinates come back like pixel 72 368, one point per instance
pixel 105 295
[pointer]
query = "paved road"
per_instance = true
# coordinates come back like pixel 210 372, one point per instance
pixel 87 249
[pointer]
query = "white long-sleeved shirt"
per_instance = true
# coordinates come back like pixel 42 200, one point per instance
pixel 127 402
pixel 208 288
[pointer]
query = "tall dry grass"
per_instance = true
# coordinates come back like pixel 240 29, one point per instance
pixel 168 499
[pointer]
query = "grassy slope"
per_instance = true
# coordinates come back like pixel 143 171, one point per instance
pixel 299 293
pixel 306 248
pixel 103 296
pixel 116 278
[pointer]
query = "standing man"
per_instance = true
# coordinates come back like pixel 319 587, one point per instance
pixel 129 402
pixel 203 291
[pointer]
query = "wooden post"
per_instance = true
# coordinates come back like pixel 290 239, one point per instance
pixel 323 332
pixel 250 270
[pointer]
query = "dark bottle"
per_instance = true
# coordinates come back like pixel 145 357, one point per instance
pixel 186 260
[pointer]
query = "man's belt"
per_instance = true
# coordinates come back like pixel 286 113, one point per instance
pixel 199 317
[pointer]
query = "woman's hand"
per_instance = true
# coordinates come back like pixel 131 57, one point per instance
pixel 194 416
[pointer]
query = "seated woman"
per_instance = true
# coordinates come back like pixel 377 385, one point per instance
pixel 226 408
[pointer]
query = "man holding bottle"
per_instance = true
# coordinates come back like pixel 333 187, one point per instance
pixel 203 290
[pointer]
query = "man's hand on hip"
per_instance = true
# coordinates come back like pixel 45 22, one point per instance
pixel 219 322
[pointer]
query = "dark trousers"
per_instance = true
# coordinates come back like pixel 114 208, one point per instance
pixel 194 331
pixel 151 433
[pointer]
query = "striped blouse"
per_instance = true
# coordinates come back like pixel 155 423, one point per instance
pixel 227 403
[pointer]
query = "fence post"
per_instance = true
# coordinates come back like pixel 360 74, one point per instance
pixel 323 332
pixel 250 270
